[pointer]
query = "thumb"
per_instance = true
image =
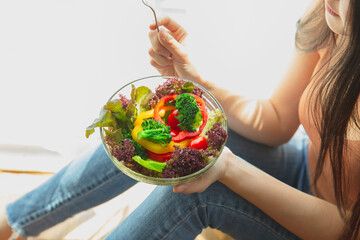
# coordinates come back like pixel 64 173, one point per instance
pixel 198 185
pixel 171 44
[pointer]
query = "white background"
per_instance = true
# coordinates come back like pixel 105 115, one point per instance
pixel 60 60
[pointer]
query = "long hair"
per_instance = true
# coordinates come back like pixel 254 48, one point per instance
pixel 336 100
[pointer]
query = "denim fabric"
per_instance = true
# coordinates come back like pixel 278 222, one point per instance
pixel 84 183
pixel 93 179
pixel 168 215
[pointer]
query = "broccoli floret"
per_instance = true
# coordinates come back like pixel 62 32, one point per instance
pixel 190 117
pixel 155 131
pixel 139 150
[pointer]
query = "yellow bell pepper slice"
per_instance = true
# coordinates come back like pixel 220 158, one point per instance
pixel 148 114
pixel 155 147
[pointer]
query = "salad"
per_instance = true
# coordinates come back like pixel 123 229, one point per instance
pixel 168 133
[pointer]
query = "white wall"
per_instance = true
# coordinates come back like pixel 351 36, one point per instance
pixel 60 60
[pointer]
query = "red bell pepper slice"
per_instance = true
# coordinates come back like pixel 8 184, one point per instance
pixel 182 134
pixel 160 104
pixel 158 157
pixel 173 122
pixel 173 132
pixel 185 134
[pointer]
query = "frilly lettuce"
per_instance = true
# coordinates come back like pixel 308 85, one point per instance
pixel 116 117
pixel 213 117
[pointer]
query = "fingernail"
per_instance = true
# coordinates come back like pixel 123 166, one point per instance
pixel 164 31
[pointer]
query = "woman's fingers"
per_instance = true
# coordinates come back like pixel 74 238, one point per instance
pixel 204 181
pixel 172 45
pixel 164 44
pixel 163 70
pixel 157 46
pixel 176 29
pixel 197 186
pixel 160 60
pixel 167 53
pixel 192 187
pixel 200 184
pixel 167 42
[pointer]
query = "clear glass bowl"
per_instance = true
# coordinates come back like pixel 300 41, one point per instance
pixel 152 82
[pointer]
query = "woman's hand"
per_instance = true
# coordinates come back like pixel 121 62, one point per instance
pixel 215 173
pixel 167 52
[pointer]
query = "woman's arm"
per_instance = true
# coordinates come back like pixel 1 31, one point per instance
pixel 270 121
pixel 304 215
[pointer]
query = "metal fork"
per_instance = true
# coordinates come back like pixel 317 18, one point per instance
pixel 146 4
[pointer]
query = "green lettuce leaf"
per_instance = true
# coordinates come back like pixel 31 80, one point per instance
pixel 116 135
pixel 187 87
pixel 113 114
pixel 131 110
pixel 213 117
pixel 150 164
pixel 143 95
pixel 114 106
pixel 106 119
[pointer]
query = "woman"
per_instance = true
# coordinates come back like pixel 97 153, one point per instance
pixel 321 91
pixel 273 182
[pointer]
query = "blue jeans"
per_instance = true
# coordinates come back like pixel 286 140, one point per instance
pixel 93 179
